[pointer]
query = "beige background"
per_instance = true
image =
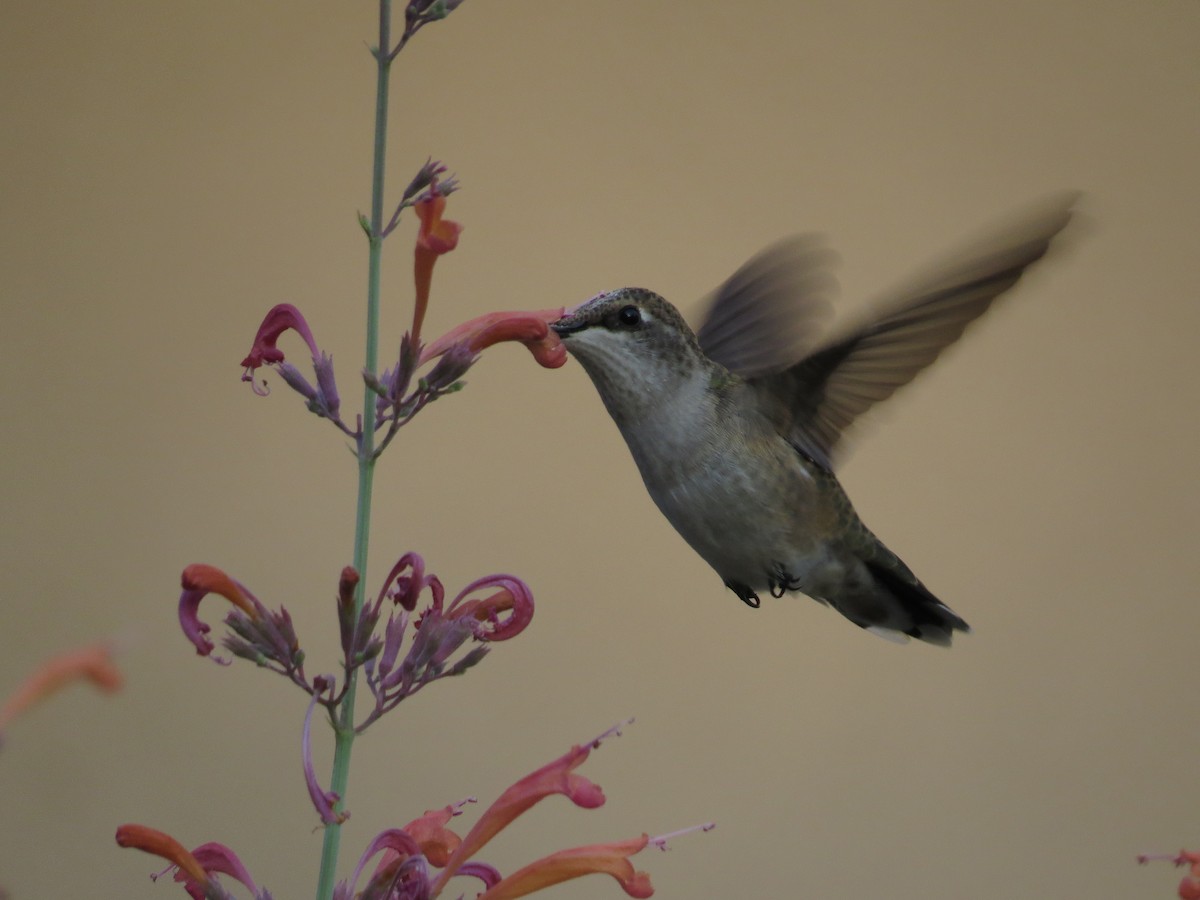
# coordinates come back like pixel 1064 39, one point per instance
pixel 171 170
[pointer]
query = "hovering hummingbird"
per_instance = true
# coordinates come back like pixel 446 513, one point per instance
pixel 735 428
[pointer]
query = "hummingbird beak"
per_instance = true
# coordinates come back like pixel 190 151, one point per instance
pixel 568 325
pixel 574 318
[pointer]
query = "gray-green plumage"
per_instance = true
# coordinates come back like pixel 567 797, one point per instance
pixel 735 428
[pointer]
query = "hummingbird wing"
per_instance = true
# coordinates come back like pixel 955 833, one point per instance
pixel 772 310
pixel 817 398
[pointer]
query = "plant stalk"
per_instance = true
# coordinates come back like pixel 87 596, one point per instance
pixel 344 730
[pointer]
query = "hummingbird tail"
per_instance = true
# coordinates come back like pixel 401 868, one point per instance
pixel 928 618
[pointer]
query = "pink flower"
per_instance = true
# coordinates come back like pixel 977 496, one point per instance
pixel 513 597
pixel 91 663
pixel 531 328
pixel 162 844
pixel 200 580
pixel 280 318
pixel 325 802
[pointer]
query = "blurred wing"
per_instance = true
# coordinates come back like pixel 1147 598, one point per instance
pixel 820 396
pixel 771 310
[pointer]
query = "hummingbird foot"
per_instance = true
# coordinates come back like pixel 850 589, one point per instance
pixel 744 593
pixel 782 581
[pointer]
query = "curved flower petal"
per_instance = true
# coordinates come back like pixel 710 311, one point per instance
pixel 611 859
pixel 514 597
pixel 200 580
pixel 162 844
pixel 323 801
pixel 91 663
pixel 436 235
pixel 531 328
pixel 280 318
pixel 220 859
pixel 394 843
pixel 409 587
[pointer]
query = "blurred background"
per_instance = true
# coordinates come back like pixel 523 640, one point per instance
pixel 170 171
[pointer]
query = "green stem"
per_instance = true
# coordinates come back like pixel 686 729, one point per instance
pixel 344 731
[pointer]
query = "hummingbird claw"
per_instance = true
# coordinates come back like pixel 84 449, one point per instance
pixel 782 582
pixel 744 594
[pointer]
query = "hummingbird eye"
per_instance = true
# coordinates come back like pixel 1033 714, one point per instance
pixel 629 316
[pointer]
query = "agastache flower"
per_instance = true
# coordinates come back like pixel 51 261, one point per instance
pixel 280 318
pixel 557 777
pixel 322 399
pixel 265 637
pixel 609 859
pixel 193 868
pixel 199 580
pixel 409 853
pixel 531 328
pixel 435 237
pixel 1189 885
pixel 513 597
pixel 91 663
pixel 503 612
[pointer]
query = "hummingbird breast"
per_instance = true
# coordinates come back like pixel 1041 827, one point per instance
pixel 740 495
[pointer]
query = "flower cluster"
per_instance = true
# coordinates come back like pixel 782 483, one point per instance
pixel 439 630
pixel 1189 885
pixel 489 609
pixel 400 391
pixel 416 862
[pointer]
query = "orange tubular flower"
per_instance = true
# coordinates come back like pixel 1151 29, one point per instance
pixel 199 580
pixel 91 663
pixel 436 841
pixel 531 328
pixel 610 859
pixel 557 777
pixel 162 844
pixel 436 236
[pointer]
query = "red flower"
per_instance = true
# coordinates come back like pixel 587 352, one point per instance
pixel 280 318
pixel 514 598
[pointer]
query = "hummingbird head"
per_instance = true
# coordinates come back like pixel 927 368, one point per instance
pixel 636 347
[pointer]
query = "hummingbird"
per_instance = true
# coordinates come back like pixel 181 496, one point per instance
pixel 736 427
